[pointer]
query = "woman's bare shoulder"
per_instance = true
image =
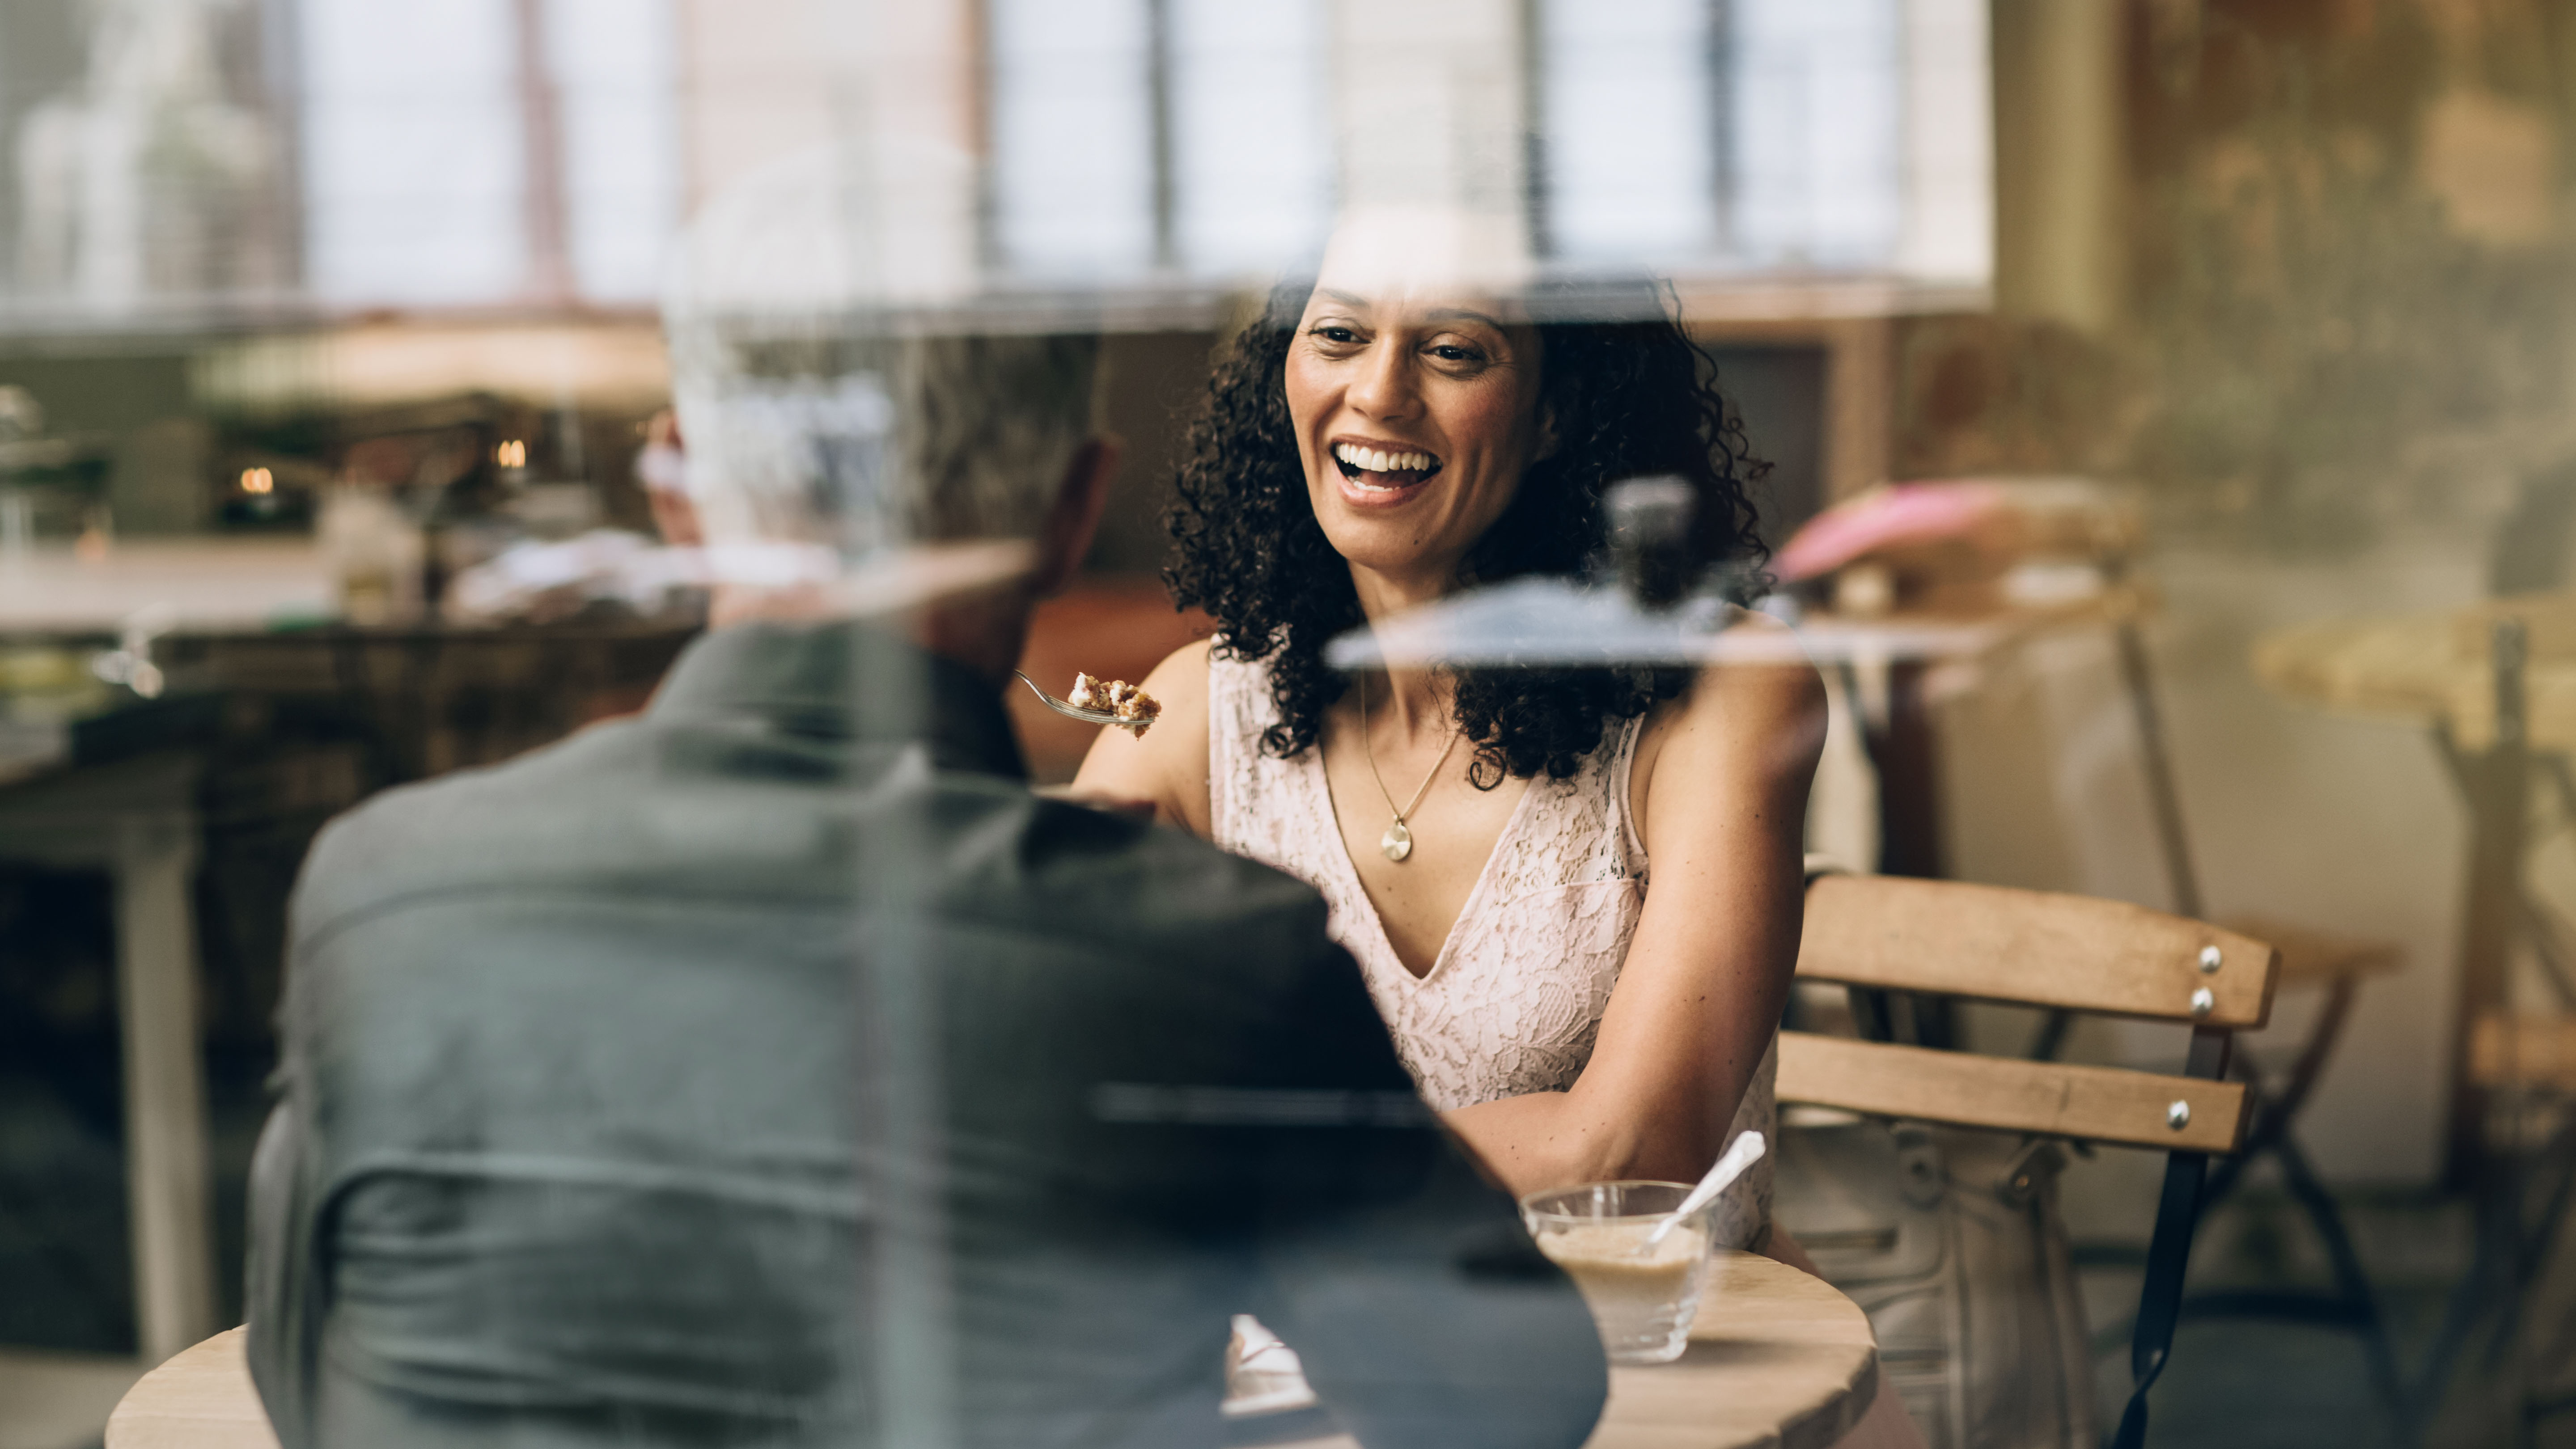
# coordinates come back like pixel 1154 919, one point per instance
pixel 1757 723
pixel 1788 685
pixel 1765 689
pixel 1183 675
pixel 1168 764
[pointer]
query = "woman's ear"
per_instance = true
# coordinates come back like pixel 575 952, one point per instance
pixel 1546 446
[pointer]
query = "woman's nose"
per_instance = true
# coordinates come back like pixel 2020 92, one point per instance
pixel 1384 388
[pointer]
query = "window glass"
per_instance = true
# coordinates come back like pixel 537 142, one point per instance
pixel 616 74
pixel 414 152
pixel 1815 112
pixel 1767 135
pixel 1073 138
pixel 1631 91
pixel 1251 139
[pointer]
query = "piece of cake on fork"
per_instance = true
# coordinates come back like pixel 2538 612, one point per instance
pixel 1136 710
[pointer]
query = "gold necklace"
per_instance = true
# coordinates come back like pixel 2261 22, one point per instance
pixel 1398 840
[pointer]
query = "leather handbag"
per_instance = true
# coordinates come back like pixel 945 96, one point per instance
pixel 1952 1241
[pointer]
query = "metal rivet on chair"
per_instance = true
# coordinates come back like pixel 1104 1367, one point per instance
pixel 2203 1002
pixel 2209 959
pixel 2178 1116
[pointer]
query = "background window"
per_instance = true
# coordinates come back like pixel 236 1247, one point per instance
pixel 454 158
pixel 1817 86
pixel 1251 139
pixel 1073 138
pixel 616 72
pixel 414 153
pixel 1767 136
pixel 1629 94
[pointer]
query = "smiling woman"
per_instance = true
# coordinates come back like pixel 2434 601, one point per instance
pixel 1416 421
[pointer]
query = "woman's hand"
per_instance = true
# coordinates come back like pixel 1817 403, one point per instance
pixel 1720 794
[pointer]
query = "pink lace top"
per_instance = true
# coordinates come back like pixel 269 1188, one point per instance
pixel 1512 1003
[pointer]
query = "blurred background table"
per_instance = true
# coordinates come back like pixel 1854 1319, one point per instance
pixel 176 720
pixel 2434 669
pixel 2495 684
pixel 1776 1359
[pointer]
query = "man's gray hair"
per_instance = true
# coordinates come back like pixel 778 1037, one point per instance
pixel 986 425
pixel 874 442
pixel 828 399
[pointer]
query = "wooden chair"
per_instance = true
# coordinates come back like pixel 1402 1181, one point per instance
pixel 2058 952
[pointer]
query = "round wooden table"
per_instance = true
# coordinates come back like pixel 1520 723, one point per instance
pixel 1776 1359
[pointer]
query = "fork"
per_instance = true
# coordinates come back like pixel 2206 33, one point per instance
pixel 1075 711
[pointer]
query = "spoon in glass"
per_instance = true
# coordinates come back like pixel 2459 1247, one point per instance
pixel 1746 1151
pixel 1075 711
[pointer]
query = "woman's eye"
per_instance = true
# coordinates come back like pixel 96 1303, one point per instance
pixel 1337 334
pixel 1450 352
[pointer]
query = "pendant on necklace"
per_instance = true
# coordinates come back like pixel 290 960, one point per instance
pixel 1397 842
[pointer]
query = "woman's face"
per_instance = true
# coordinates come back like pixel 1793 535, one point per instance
pixel 1416 413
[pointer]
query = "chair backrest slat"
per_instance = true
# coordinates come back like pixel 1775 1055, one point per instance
pixel 2032 948
pixel 2097 1104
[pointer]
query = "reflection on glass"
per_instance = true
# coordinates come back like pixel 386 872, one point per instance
pixel 147 160
pixel 339 452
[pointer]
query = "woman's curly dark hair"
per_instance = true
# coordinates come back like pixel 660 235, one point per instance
pixel 1630 396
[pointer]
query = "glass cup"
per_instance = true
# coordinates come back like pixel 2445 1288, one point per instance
pixel 1643 1302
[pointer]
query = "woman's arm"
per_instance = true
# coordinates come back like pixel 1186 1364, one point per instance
pixel 1167 766
pixel 1721 797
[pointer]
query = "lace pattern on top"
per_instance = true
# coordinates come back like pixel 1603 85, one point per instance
pixel 1513 1002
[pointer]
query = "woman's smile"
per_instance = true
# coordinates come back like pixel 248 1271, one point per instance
pixel 1377 474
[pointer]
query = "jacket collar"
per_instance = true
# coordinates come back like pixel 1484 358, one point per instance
pixel 843 680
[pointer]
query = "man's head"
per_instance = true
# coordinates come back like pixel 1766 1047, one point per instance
pixel 910 473
pixel 854 452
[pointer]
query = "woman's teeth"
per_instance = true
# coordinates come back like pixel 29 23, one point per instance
pixel 1379 460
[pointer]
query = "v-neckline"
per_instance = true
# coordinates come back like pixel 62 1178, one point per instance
pixel 1313 770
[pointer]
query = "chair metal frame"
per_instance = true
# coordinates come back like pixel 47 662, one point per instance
pixel 2354 1303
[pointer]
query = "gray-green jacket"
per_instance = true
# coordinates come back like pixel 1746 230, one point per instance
pixel 774 1069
